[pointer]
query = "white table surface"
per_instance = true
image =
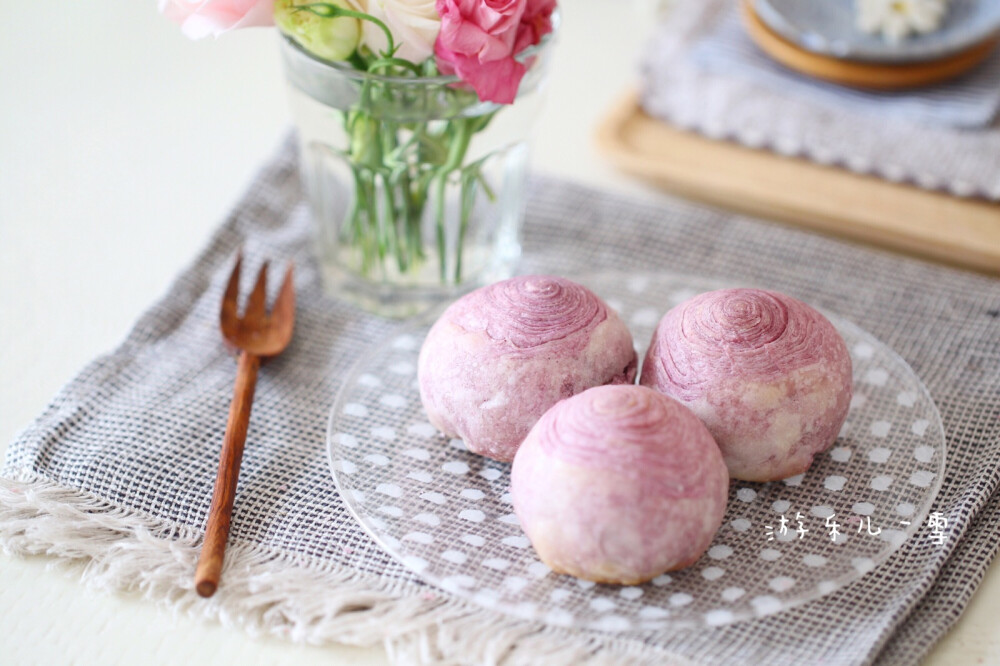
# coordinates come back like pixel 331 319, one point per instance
pixel 122 146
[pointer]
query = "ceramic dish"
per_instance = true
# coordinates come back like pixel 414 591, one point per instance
pixel 828 27
pixel 446 513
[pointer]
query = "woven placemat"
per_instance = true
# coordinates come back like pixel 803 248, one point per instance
pixel 118 469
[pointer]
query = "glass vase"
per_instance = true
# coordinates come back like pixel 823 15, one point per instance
pixel 416 187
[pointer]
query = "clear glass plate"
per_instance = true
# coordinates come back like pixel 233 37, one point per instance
pixel 446 513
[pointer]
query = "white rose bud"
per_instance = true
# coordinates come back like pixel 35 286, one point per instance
pixel 414 25
pixel 330 38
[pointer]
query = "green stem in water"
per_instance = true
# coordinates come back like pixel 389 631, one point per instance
pixel 468 201
pixel 388 221
pixel 386 63
pixel 360 238
pixel 377 250
pixel 463 131
pixel 439 227
pixel 357 62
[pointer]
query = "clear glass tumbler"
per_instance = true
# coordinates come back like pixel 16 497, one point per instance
pixel 416 187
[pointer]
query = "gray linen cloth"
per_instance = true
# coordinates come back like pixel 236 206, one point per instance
pixel 699 74
pixel 118 469
pixel 968 102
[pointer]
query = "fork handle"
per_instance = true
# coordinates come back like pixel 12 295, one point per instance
pixel 209 569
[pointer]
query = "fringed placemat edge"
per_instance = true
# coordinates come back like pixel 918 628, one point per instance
pixel 119 550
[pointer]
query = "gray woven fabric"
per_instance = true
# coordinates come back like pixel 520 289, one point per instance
pixel 139 428
pixel 719 95
pixel 968 102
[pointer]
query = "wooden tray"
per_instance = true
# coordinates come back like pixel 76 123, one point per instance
pixel 963 232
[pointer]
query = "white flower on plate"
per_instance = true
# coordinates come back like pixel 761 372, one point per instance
pixel 897 19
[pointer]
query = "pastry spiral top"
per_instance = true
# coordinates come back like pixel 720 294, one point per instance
pixel 530 311
pixel 751 334
pixel 633 431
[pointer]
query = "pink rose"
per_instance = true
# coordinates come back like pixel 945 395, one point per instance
pixel 535 23
pixel 201 18
pixel 476 42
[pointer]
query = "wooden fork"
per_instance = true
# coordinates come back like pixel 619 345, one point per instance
pixel 256 334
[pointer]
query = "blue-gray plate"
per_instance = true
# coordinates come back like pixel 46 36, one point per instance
pixel 828 27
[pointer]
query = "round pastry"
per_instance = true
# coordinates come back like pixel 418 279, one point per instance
pixel 619 484
pixel 500 356
pixel 769 375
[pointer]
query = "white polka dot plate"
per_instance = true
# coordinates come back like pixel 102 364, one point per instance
pixel 446 514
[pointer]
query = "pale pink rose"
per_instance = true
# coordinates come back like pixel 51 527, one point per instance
pixel 414 25
pixel 476 42
pixel 201 18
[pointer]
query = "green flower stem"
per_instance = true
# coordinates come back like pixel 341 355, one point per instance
pixel 411 244
pixel 386 136
pixel 390 221
pixel 463 131
pixel 490 194
pixel 398 167
pixel 361 238
pixel 416 203
pixel 441 245
pixel 388 63
pixel 371 210
pixel 357 61
pixel 468 202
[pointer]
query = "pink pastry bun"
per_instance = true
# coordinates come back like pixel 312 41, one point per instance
pixel 769 375
pixel 500 356
pixel 619 484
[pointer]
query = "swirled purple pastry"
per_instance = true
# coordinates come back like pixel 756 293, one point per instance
pixel 769 375
pixel 500 356
pixel 619 484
